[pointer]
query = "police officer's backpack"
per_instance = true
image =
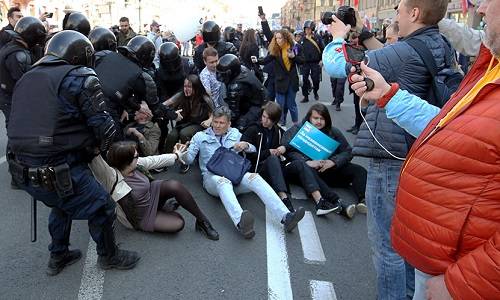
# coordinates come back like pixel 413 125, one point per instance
pixel 444 82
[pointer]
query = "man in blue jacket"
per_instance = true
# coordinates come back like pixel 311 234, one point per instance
pixel 402 64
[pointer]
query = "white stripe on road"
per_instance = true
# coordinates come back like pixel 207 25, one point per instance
pixel 311 244
pixel 2 159
pixel 278 273
pixel 91 287
pixel 322 290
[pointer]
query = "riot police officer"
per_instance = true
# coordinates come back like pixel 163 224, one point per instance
pixel 169 78
pixel 76 21
pixel 16 58
pixel 244 92
pixel 312 48
pixel 230 36
pixel 124 79
pixel 211 38
pixel 172 71
pixel 52 145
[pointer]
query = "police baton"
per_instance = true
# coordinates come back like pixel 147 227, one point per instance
pixel 33 220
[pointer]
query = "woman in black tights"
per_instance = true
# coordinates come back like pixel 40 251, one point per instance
pixel 145 209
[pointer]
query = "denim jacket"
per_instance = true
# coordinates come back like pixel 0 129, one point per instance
pixel 206 142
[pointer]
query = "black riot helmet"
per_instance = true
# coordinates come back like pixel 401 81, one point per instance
pixel 229 34
pixel 210 32
pixel 228 68
pixel 31 30
pixel 169 56
pixel 73 47
pixel 309 24
pixel 78 22
pixel 102 39
pixel 141 49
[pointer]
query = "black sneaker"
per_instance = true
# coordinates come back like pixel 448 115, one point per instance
pixel 121 260
pixel 325 206
pixel 58 262
pixel 245 226
pixel 316 96
pixel 337 107
pixel 183 168
pixel 291 219
pixel 288 204
pixel 304 100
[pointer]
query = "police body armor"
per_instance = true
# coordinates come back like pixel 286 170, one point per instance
pixel 6 82
pixel 244 93
pixel 117 75
pixel 51 131
pixel 173 82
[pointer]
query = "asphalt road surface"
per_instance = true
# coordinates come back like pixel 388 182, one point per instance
pixel 325 258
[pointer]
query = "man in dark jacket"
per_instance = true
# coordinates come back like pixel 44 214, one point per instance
pixel 312 47
pixel 399 63
pixel 126 32
pixel 13 15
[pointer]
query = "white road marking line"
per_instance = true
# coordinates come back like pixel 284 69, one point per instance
pixel 2 159
pixel 309 238
pixel 91 287
pixel 278 273
pixel 322 290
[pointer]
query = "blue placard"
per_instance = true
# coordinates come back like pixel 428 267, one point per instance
pixel 314 143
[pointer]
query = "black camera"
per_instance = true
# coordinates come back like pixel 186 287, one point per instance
pixel 346 14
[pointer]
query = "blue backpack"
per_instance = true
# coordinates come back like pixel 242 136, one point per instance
pixel 444 82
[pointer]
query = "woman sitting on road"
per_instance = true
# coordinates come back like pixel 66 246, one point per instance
pixel 337 170
pixel 145 209
pixel 266 136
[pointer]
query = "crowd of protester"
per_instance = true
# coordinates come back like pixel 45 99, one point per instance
pixel 431 190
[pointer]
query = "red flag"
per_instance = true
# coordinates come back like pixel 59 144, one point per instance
pixel 465 6
pixel 356 4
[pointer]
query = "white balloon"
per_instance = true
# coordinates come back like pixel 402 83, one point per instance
pixel 184 22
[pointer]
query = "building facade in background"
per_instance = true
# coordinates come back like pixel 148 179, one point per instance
pixel 373 12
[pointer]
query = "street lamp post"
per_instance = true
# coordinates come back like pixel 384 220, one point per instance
pixel 140 19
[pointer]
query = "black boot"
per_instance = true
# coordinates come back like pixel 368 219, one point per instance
pixel 316 96
pixel 58 262
pixel 116 258
pixel 305 100
pixel 205 227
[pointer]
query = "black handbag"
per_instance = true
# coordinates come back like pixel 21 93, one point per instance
pixel 229 164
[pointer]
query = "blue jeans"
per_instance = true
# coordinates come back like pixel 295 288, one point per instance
pixel 395 278
pixel 287 103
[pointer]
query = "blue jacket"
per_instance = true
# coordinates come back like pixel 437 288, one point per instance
pixel 397 63
pixel 206 142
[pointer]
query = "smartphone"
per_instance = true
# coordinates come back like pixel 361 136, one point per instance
pixel 50 15
pixel 353 54
pixel 261 11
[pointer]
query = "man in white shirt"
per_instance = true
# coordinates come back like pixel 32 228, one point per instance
pixel 208 77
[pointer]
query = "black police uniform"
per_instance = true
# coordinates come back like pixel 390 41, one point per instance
pixel 245 97
pixel 51 143
pixel 312 55
pixel 6 35
pixel 15 60
pixel 126 84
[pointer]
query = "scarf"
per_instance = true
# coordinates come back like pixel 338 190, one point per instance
pixel 310 39
pixel 284 56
